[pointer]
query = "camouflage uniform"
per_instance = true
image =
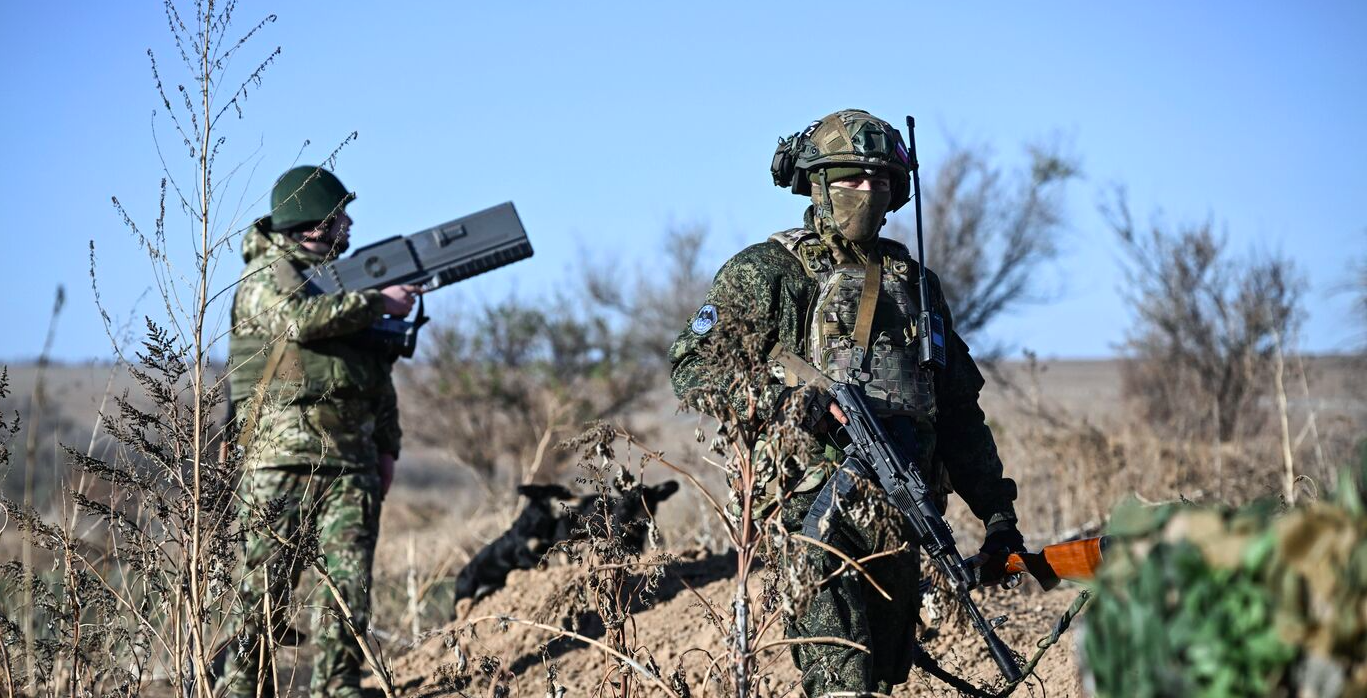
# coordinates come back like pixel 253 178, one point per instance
pixel 324 417
pixel 802 281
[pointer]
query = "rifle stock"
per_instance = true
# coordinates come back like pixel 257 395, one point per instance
pixel 1076 559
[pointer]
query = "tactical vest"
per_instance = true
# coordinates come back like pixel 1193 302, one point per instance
pixel 887 368
pixel 303 372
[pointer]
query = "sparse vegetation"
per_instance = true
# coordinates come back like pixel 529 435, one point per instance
pixel 498 388
pixel 122 548
pixel 1210 327
pixel 989 233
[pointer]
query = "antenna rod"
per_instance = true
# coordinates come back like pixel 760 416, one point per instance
pixel 930 327
pixel 916 196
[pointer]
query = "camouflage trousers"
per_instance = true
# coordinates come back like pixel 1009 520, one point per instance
pixel 336 516
pixel 849 607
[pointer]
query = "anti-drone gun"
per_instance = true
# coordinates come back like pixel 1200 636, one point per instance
pixel 432 258
pixel 871 453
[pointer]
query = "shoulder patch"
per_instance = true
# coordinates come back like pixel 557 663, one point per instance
pixel 704 320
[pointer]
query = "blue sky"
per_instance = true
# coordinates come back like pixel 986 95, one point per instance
pixel 608 122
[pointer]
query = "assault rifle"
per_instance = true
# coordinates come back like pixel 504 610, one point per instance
pixel 431 258
pixel 873 454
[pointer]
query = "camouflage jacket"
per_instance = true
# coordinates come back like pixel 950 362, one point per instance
pixel 330 402
pixel 960 452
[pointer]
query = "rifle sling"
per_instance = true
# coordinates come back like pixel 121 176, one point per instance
pixel 868 303
pixel 259 392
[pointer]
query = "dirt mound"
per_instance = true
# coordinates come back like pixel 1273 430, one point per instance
pixel 674 632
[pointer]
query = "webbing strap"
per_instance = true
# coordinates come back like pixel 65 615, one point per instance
pixel 259 392
pixel 868 303
pixel 796 369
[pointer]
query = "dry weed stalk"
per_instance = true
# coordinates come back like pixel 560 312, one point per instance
pixel 37 407
pixel 153 601
pixel 755 453
pixel 615 581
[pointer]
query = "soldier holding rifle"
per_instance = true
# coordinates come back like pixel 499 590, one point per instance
pixel 855 305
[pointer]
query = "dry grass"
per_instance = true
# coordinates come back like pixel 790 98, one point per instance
pixel 1062 428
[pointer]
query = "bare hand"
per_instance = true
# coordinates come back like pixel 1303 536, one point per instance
pixel 386 473
pixel 839 414
pixel 398 300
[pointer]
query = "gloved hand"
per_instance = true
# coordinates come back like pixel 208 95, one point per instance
pixel 1003 541
pixel 816 411
pixel 991 557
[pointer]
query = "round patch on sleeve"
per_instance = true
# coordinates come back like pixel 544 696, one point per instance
pixel 705 320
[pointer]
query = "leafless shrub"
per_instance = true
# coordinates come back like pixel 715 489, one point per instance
pixel 1360 292
pixel 617 579
pixel 657 302
pixel 989 233
pixel 502 383
pixel 499 387
pixel 1357 289
pixel 756 451
pixel 616 582
pixel 110 609
pixel 1208 326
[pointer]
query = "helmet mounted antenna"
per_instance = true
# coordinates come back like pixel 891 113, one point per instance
pixel 930 327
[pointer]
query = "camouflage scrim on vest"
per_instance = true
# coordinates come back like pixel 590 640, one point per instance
pixel 956 446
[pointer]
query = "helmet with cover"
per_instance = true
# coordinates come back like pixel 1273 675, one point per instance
pixel 850 139
pixel 305 197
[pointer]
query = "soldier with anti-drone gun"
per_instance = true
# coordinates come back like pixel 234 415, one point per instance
pixel 314 339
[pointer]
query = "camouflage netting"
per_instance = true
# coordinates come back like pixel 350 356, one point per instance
pixel 1256 601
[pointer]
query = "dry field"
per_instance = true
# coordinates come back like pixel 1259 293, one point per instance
pixel 1062 429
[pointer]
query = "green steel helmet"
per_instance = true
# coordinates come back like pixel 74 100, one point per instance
pixel 850 138
pixel 306 196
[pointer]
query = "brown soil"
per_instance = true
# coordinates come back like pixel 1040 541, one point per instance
pixel 675 630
